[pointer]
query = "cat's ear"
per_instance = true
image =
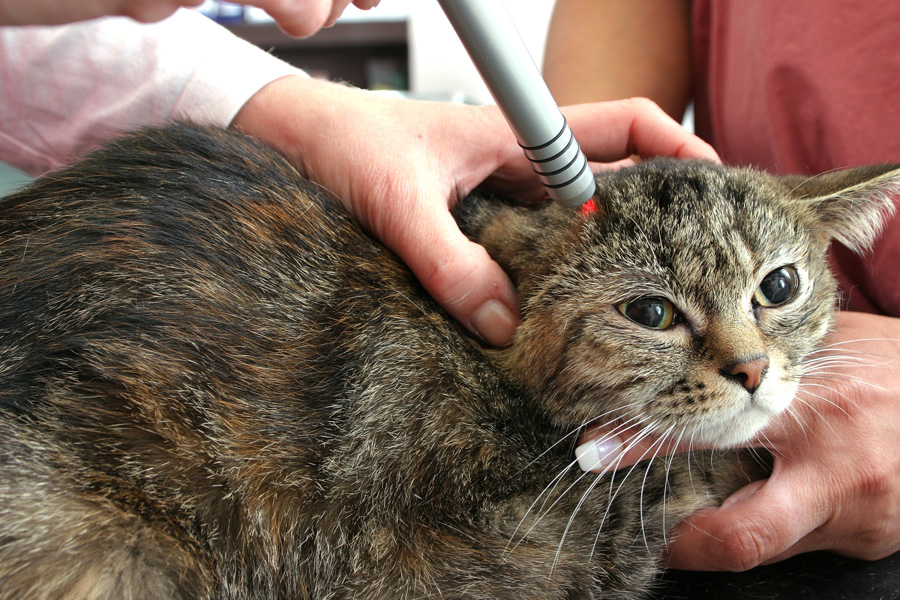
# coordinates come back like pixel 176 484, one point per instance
pixel 850 206
pixel 526 239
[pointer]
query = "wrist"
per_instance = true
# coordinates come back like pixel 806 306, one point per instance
pixel 291 113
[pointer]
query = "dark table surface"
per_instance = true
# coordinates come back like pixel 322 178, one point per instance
pixel 815 576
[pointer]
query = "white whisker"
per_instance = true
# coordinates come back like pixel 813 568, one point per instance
pixel 669 462
pixel 659 443
pixel 548 490
pixel 646 431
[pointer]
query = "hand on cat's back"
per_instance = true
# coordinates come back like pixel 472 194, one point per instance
pixel 836 479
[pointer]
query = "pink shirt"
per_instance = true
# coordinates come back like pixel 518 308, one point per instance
pixel 65 90
pixel 807 87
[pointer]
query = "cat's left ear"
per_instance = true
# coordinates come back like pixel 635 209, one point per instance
pixel 850 206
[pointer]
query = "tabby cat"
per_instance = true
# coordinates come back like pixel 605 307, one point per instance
pixel 215 384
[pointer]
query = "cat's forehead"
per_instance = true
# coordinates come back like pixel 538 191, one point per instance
pixel 673 201
pixel 677 190
pixel 691 223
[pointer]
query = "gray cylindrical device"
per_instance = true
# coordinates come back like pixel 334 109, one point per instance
pixel 515 82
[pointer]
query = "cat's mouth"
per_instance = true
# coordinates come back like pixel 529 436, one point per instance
pixel 609 447
pixel 740 423
pixel 612 445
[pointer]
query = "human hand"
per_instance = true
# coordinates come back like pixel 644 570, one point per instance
pixel 398 165
pixel 836 478
pixel 296 17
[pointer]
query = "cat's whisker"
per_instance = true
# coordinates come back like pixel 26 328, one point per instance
pixel 767 441
pixel 865 356
pixel 574 431
pixel 623 424
pixel 843 360
pixel 646 431
pixel 757 455
pixel 670 460
pixel 545 494
pixel 763 438
pixel 571 520
pixel 818 414
pixel 826 347
pixel 659 446
pixel 559 498
pixel 836 379
pixel 838 369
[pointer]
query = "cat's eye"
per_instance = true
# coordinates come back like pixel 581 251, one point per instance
pixel 778 287
pixel 652 311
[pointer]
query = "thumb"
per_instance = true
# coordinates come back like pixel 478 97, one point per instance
pixel 755 524
pixel 458 273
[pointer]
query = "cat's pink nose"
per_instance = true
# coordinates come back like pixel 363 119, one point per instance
pixel 751 372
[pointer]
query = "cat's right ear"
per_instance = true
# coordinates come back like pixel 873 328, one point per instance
pixel 850 206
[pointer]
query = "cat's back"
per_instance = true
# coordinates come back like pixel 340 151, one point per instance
pixel 166 255
pixel 181 316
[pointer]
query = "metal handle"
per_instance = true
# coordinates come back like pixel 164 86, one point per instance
pixel 500 55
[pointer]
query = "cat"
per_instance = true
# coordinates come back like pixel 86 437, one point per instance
pixel 215 384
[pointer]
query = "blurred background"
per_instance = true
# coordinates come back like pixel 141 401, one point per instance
pixel 402 45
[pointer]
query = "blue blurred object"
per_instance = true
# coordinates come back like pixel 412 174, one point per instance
pixel 227 13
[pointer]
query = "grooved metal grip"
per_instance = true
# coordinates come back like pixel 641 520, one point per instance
pixel 515 82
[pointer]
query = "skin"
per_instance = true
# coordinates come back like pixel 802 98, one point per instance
pixel 642 46
pixel 836 482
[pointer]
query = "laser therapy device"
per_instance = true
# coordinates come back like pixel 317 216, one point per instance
pixel 499 54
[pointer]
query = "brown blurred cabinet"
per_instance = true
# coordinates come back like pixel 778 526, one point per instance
pixel 373 55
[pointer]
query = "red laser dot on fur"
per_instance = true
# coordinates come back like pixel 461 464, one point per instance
pixel 588 207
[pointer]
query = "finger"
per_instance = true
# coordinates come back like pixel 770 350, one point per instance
pixel 337 9
pixel 458 273
pixel 297 18
pixel 605 448
pixel 151 12
pixel 757 523
pixel 615 130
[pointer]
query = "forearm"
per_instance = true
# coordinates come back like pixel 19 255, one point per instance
pixel 66 90
pixel 609 49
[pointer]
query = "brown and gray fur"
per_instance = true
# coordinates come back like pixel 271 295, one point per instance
pixel 214 384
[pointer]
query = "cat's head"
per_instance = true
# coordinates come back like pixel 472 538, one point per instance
pixel 688 300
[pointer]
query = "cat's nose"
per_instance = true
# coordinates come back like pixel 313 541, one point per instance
pixel 748 373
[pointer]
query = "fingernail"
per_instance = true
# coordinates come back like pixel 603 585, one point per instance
pixel 494 322
pixel 596 455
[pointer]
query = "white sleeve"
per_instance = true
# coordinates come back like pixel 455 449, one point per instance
pixel 66 90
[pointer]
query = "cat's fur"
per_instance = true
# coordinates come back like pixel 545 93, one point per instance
pixel 214 384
